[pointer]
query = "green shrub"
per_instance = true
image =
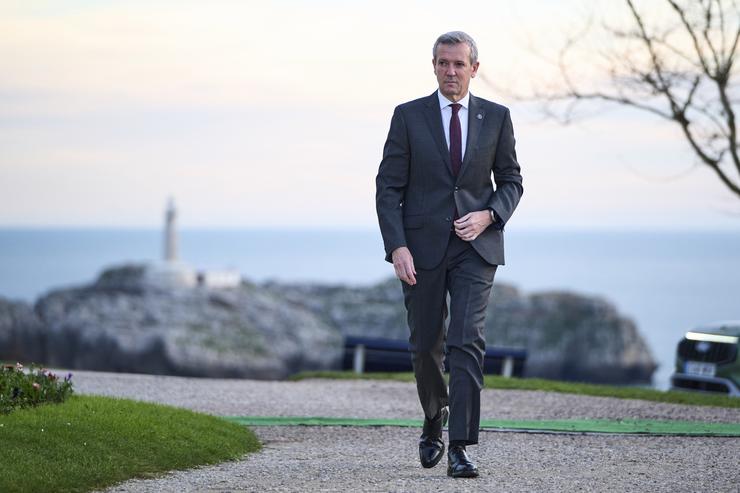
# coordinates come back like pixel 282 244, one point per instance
pixel 20 388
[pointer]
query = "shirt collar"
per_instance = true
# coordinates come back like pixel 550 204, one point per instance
pixel 444 102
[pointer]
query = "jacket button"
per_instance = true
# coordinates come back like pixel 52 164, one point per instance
pixel 457 188
pixel 447 219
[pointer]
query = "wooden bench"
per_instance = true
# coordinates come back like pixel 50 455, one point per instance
pixel 373 354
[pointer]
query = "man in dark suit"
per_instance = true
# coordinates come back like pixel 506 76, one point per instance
pixel 442 223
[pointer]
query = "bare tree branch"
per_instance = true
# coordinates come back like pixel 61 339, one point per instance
pixel 649 69
pixel 692 34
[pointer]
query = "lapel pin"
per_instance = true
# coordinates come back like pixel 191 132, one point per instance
pixel 479 116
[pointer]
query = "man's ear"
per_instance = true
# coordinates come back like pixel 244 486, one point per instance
pixel 475 69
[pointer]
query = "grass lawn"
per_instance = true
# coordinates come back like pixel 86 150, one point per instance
pixel 90 442
pixel 497 382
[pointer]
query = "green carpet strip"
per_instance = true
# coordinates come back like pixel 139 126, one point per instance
pixel 626 426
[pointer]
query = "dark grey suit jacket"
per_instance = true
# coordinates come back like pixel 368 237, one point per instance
pixel 416 192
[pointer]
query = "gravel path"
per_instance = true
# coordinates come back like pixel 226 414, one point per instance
pixel 370 399
pixel 385 458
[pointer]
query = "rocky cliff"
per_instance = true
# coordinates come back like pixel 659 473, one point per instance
pixel 124 322
pixel 22 334
pixel 567 336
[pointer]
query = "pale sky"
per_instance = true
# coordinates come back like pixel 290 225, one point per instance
pixel 274 114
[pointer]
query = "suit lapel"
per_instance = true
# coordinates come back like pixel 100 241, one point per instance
pixel 434 120
pixel 476 116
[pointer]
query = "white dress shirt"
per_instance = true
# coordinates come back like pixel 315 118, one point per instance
pixel 444 105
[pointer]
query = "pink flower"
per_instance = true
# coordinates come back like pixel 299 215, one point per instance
pixel 36 385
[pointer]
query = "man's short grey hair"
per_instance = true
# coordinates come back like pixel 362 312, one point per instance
pixel 457 37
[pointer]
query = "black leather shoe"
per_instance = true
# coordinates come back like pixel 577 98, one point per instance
pixel 431 446
pixel 459 464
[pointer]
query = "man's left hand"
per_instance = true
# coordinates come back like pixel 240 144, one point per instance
pixel 472 224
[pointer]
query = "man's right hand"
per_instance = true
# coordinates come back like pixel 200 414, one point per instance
pixel 403 263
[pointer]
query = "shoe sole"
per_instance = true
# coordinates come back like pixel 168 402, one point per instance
pixel 462 474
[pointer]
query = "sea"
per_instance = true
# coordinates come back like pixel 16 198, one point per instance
pixel 667 282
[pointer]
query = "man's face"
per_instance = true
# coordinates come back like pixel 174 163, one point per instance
pixel 454 70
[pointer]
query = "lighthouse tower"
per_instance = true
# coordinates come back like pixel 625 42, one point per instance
pixel 170 272
pixel 173 273
pixel 170 233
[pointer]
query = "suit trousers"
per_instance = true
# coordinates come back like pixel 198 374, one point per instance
pixel 467 278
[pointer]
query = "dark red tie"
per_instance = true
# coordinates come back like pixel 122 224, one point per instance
pixel 455 139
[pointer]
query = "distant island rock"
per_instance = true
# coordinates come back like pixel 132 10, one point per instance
pixel 567 336
pixel 124 322
pixel 128 321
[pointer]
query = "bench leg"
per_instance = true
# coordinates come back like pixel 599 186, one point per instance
pixel 507 369
pixel 359 360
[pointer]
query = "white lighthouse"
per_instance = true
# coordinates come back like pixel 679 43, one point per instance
pixel 171 272
pixel 170 233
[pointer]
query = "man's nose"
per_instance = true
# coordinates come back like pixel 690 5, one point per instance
pixel 450 70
